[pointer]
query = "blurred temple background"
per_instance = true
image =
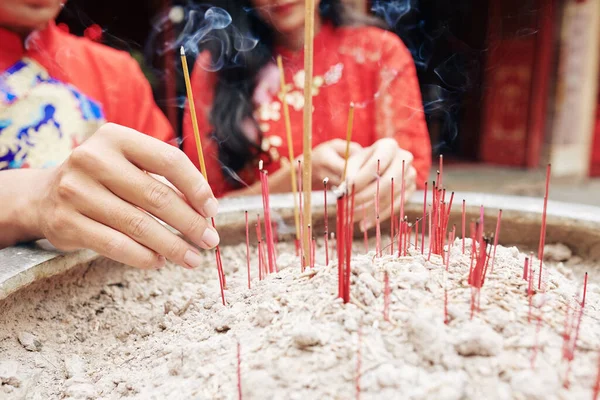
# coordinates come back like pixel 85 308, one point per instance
pixel 507 85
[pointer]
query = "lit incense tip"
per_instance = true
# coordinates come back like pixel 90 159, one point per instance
pixel 325 181
pixel 260 165
pixel 182 51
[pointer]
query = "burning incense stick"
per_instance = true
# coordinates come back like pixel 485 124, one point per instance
pixel 348 139
pixel 192 106
pixel 309 33
pixel 290 143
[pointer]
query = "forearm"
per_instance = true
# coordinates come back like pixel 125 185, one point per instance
pixel 20 188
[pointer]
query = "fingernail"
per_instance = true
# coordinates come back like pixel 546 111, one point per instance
pixel 192 259
pixel 211 207
pixel 210 237
pixel 162 261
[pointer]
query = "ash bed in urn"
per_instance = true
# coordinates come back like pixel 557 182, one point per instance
pixel 103 330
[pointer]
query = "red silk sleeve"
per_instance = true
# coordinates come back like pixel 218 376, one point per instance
pixel 145 116
pixel 399 105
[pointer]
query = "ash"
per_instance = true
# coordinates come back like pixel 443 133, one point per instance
pixel 109 331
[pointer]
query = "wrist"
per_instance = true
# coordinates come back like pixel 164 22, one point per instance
pixel 28 187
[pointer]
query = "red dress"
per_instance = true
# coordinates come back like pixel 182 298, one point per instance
pixel 366 65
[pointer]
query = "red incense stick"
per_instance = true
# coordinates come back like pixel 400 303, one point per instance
pixel 543 230
pixel 310 261
pixel 348 248
pixel 247 248
pixel 402 189
pixel 430 236
pixel 392 219
pixel 351 236
pixel 301 216
pixel 464 212
pixel 340 243
pixel 526 269
pixel 424 219
pixel 262 248
pixel 365 233
pixel 326 219
pixel 312 252
pixel 400 233
pixel 268 225
pixel 417 235
pixel 377 221
pixel 408 231
pixel 585 280
pixel 260 267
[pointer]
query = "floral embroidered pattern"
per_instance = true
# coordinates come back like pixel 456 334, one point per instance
pixel 271 111
pixel 41 119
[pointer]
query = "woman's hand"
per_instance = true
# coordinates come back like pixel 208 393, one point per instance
pixel 101 198
pixel 362 172
pixel 328 160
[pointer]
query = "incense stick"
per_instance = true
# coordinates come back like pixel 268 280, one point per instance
pixel 348 139
pixel 191 105
pixel 290 143
pixel 247 247
pixel 309 33
pixel 325 217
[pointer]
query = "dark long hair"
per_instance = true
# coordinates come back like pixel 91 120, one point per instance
pixel 236 80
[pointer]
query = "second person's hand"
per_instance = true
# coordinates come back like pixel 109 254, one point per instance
pixel 362 173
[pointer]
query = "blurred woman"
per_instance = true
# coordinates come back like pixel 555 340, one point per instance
pixel 240 111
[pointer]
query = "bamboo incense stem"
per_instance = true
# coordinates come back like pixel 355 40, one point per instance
pixel 348 139
pixel 290 143
pixel 190 95
pixel 309 33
